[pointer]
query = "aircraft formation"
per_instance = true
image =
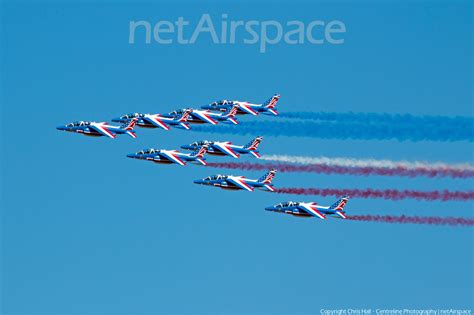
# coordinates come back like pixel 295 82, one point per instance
pixel 223 111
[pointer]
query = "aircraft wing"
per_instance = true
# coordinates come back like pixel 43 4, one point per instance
pixel 246 108
pixel 172 157
pixel 312 211
pixel 102 129
pixel 202 115
pixel 155 121
pixel 226 149
pixel 239 183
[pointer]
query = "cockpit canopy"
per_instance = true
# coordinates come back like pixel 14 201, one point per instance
pixel 216 177
pixel 178 112
pixel 147 151
pixel 201 143
pixel 78 124
pixel 221 102
pixel 287 204
pixel 132 115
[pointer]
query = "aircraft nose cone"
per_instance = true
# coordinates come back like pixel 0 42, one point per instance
pixel 131 156
pixel 198 181
pixel 269 208
pixel 61 128
pixel 117 119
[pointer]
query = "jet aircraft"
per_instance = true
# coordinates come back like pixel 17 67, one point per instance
pixel 311 209
pixel 98 129
pixel 171 156
pixel 269 107
pixel 227 116
pixel 239 182
pixel 227 148
pixel 205 116
pixel 157 121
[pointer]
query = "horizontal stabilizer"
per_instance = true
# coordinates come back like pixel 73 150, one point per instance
pixel 233 120
pixel 255 154
pixel 185 126
pixel 270 188
pixel 131 134
pixel 341 214
pixel 202 161
pixel 274 112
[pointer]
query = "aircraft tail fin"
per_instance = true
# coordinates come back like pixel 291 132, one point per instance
pixel 130 125
pixel 232 111
pixel 253 145
pixel 185 115
pixel 339 204
pixel 268 177
pixel 200 151
pixel 271 103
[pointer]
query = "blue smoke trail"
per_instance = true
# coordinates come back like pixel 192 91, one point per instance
pixel 353 130
pixel 370 118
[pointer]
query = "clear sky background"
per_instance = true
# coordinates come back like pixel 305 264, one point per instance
pixel 87 231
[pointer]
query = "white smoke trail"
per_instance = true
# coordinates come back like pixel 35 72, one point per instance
pixel 350 162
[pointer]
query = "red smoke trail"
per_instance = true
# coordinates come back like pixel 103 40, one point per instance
pixel 345 170
pixel 414 220
pixel 392 194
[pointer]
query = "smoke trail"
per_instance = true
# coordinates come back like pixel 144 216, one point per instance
pixel 368 118
pixel 349 162
pixel 391 194
pixel 347 170
pixel 414 220
pixel 353 130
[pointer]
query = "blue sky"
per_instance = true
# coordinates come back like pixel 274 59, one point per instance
pixel 87 231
